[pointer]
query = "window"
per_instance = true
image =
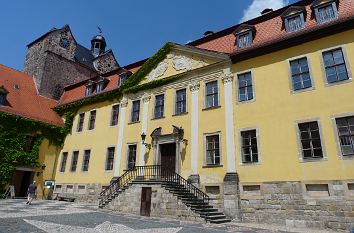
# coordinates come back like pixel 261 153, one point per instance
pixel 249 146
pixel 211 94
pixel 74 161
pixel 300 74
pixel 99 86
pixel 244 40
pixel 89 88
pixel 135 111
pixel 114 115
pixel 2 97
pixel 92 120
pixel 245 88
pixel 181 101
pixel 326 12
pixel 294 23
pixel 131 156
pixel 310 140
pixel 159 106
pixel 110 158
pixel 30 140
pixel 64 158
pixel 212 150
pixel 80 122
pixel 335 67
pixel 345 128
pixel 122 79
pixel 86 160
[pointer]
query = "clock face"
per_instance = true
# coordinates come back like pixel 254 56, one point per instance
pixel 64 42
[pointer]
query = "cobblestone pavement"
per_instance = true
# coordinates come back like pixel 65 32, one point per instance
pixel 64 217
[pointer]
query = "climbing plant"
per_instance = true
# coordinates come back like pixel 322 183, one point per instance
pixel 14 132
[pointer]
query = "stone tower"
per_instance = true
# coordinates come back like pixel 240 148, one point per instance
pixel 56 60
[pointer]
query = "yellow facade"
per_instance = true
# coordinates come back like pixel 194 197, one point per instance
pixel 274 112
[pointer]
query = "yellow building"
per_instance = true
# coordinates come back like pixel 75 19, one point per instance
pixel 258 116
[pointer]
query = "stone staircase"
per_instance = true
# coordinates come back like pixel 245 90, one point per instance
pixel 190 195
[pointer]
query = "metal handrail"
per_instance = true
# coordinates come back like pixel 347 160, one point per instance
pixel 151 173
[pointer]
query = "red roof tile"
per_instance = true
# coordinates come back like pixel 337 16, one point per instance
pixel 23 99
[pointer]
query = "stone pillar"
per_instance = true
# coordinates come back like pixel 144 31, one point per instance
pixel 229 122
pixel 194 87
pixel 122 112
pixel 232 196
pixel 146 100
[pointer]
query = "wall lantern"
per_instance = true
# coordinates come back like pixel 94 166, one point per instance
pixel 143 137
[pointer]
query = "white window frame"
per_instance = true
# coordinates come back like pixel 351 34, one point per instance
pixel 347 65
pixel 131 111
pixel 77 122
pixel 175 102
pixel 299 145
pixel 127 154
pixel 334 7
pixel 286 21
pixel 336 136
pixel 205 82
pixel 106 158
pixel 292 91
pixel 154 105
pixel 61 161
pixel 237 87
pixel 110 115
pixel 83 157
pixel 205 135
pixel 258 146
pixel 88 123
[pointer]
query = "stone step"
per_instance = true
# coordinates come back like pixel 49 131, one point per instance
pixel 207 210
pixel 213 216
pixel 219 221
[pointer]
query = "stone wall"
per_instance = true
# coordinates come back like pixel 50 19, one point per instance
pixel 163 203
pixel 59 72
pixel 299 204
pixel 81 192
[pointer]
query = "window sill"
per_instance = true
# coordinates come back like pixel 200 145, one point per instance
pixel 346 157
pixel 250 163
pixel 90 129
pixel 113 126
pixel 212 166
pixel 309 160
pixel 302 90
pixel 157 118
pixel 133 122
pixel 108 171
pixel 180 114
pixel 246 101
pixel 338 82
pixel 211 108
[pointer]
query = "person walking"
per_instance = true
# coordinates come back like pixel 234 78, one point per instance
pixel 31 192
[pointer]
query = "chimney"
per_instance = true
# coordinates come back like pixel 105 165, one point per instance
pixel 267 10
pixel 208 33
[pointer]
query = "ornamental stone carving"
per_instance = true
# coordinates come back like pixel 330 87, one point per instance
pixel 124 102
pixel 182 63
pixel 194 86
pixel 146 98
pixel 227 78
pixel 159 70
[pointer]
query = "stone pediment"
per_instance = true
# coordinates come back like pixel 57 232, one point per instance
pixel 182 59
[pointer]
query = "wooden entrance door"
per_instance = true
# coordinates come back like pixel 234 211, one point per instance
pixel 145 206
pixel 168 156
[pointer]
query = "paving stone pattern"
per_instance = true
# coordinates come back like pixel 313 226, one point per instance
pixel 64 217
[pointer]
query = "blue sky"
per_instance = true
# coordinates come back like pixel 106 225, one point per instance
pixel 134 29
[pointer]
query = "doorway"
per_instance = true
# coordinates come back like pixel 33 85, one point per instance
pixel 145 206
pixel 168 156
pixel 21 180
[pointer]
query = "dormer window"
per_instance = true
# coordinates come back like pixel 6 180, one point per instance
pixel 100 85
pixel 89 88
pixel 294 19
pixel 325 11
pixel 244 36
pixel 122 78
pixel 3 94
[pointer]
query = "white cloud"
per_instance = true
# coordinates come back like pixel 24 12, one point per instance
pixel 257 6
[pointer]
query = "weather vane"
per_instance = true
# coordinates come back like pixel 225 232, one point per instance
pixel 99 29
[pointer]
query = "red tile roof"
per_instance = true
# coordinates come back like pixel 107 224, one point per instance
pixel 23 99
pixel 269 29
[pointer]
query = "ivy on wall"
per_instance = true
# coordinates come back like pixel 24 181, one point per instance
pixel 14 131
